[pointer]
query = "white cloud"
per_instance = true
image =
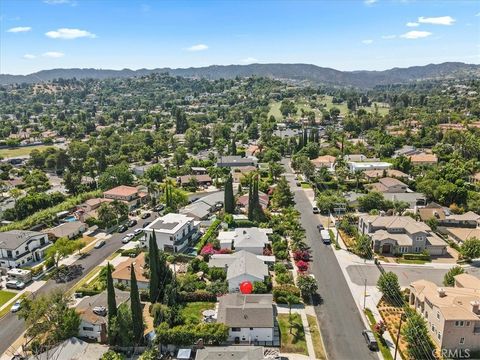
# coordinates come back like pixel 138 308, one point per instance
pixel 412 24
pixel 478 14
pixel 69 34
pixel 53 54
pixel 29 56
pixel 367 42
pixel 60 2
pixel 249 60
pixel 416 34
pixel 369 2
pixel 19 29
pixel 441 20
pixel 198 47
pixel 389 37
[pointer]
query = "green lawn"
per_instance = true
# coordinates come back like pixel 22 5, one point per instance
pixel 192 312
pixel 316 338
pixel 6 309
pixel 306 185
pixel 405 261
pixel 294 342
pixel 21 151
pixel 6 296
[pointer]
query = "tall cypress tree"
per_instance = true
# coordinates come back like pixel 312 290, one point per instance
pixel 229 198
pixel 250 200
pixel 305 137
pixel 136 309
pixel 111 303
pixel 233 146
pixel 154 271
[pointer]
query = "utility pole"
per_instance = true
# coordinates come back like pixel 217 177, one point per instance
pixel 398 336
pixel 365 295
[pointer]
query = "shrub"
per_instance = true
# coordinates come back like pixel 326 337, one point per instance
pixel 243 224
pixel 301 255
pixel 282 291
pixel 88 291
pixel 131 252
pixel 302 266
pixel 199 295
pixel 425 257
pixel 209 234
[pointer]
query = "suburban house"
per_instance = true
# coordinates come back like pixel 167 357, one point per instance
pixel 89 208
pixel 22 247
pixel 356 166
pixel 172 231
pixel 446 218
pixel 406 150
pixel 201 180
pixel 327 161
pixel 199 170
pixel 358 158
pixel 225 260
pixel 71 230
pixel 93 314
pixel 130 195
pixel 242 266
pixel 238 173
pixel 389 185
pixel 201 208
pixel 452 313
pixel 242 201
pixel 73 348
pixel 236 161
pixel 231 353
pixel 250 318
pixel 121 274
pixel 251 239
pixel 423 159
pixel 396 235
pixel 376 174
pixel 460 235
pixel 475 178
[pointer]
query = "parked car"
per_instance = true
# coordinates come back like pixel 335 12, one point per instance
pixel 325 236
pixel 15 284
pixel 320 227
pixel 99 244
pixel 146 223
pixel 370 340
pixel 127 238
pixel 122 228
pixel 316 210
pixel 16 307
pixel 137 231
pixel 159 207
pixel 145 215
pixel 132 222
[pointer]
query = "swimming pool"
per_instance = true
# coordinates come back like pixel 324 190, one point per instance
pixel 70 218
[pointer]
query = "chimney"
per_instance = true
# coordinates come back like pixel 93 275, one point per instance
pixel 441 292
pixel 475 307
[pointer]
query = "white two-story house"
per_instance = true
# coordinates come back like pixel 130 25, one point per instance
pixel 21 247
pixel 172 231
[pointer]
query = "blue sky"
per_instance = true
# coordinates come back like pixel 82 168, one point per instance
pixel 345 35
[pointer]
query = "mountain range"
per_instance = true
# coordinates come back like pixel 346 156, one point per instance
pixel 307 73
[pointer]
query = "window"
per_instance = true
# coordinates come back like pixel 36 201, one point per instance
pixel 462 340
pixel 87 328
pixel 438 315
pixel 171 238
pixel 433 328
pixel 26 248
pixel 467 323
pixel 439 336
pixel 235 329
pixel 251 328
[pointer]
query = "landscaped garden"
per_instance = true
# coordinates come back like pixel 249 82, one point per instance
pixel 293 335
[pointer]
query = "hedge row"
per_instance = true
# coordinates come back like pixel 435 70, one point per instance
pixel 425 257
pixel 208 235
pixel 198 295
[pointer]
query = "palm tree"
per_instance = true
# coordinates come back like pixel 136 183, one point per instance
pixel 291 299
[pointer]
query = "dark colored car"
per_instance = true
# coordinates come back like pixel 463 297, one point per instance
pixel 145 215
pixel 370 340
pixel 320 227
pixel 132 222
pixel 146 223
pixel 122 228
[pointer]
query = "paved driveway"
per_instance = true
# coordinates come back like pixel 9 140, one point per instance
pixel 337 313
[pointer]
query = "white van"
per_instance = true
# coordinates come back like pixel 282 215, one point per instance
pixel 325 236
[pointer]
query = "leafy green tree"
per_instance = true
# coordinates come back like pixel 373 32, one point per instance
pixel 282 195
pixel 115 175
pixel 37 180
pixel 156 173
pixel 307 285
pixel 150 354
pixel 49 319
pixel 112 355
pixel 449 278
pixel 121 327
pixel 470 249
pixel 415 332
pixel 371 201
pixel 136 309
pixel 363 246
pixel 229 200
pixel 388 284
pixel 62 248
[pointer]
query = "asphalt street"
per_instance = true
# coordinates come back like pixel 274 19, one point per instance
pixel 11 327
pixel 339 318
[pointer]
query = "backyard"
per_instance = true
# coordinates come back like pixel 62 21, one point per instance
pixel 293 342
pixel 192 312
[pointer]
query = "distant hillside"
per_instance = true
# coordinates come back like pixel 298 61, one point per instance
pixel 298 72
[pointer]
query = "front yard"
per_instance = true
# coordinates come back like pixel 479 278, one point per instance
pixel 6 296
pixel 294 342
